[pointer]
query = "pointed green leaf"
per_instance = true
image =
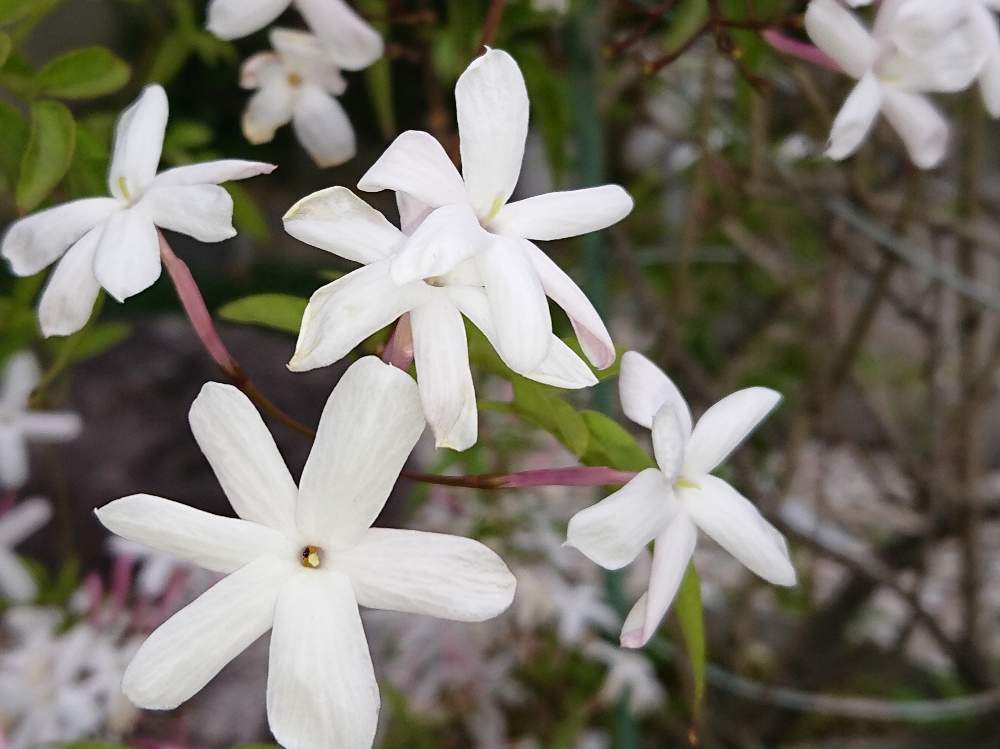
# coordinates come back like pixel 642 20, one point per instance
pixel 612 445
pixel 539 404
pixel 15 138
pixel 278 311
pixel 15 10
pixel 5 47
pixel 691 617
pixel 83 74
pixel 48 154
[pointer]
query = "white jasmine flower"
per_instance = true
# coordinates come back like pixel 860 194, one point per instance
pixel 299 561
pixel 16 525
pixel 892 77
pixel 351 43
pixel 19 426
pixel 628 674
pixel 297 83
pixel 112 242
pixel 471 218
pixel 670 503
pixel 342 314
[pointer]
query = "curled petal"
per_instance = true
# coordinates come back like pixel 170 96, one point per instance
pixel 644 389
pixel 212 173
pixel 416 164
pixel 322 127
pixel 448 236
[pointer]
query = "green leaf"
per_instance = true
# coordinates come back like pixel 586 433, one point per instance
pixel 611 445
pixel 246 215
pixel 83 74
pixel 538 404
pixel 15 10
pixel 688 18
pixel 379 79
pixel 173 52
pixel 278 311
pixel 48 154
pixel 13 142
pixel 5 47
pixel 96 339
pixel 88 171
pixel 95 745
pixel 691 617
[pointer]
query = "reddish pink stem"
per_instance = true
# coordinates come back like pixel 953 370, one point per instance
pixel 399 350
pixel 803 51
pixel 573 476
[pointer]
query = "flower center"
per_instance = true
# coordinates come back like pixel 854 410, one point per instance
pixel 494 210
pixel 683 483
pixel 438 281
pixel 294 80
pixel 311 557
pixel 123 186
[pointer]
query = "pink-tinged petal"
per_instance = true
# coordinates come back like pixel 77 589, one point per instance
pixel 492 105
pixel 191 647
pixel 737 526
pixel 38 240
pixel 557 215
pixel 342 314
pixel 69 296
pixel 244 456
pixel 204 212
pixel 612 532
pixel 724 426
pixel 128 254
pixel 368 428
pixel 231 19
pixel 270 108
pixel 672 552
pixel 443 374
pixel 259 69
pixel 856 118
pixel 321 688
pixel 21 374
pixel 435 574
pixel 587 324
pixel 338 221
pixel 213 542
pixel 13 458
pixel 921 126
pixel 792 47
pixel 350 41
pixel 518 305
pixel 446 238
pixel 212 173
pixel 839 33
pixel 644 389
pixel 138 143
pixel 416 164
pixel 323 128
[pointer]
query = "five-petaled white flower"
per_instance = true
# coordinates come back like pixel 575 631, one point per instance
pixel 301 560
pixel 350 42
pixel 17 524
pixel 471 217
pixel 112 242
pixel 892 77
pixel 342 314
pixel 297 83
pixel 19 425
pixel 671 503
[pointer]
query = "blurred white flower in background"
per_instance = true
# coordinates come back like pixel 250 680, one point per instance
pixel 629 673
pixel 298 83
pixel 17 524
pixel 19 425
pixel 349 41
pixel 112 242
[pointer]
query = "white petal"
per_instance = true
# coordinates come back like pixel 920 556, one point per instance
pixel 36 241
pixel 69 296
pixel 447 237
pixel 51 426
pixel 557 215
pixel 518 305
pixel 448 577
pixel 138 143
pixel 302 53
pixel 416 164
pixel 204 212
pixel 338 221
pixel 562 368
pixel 669 440
pixel 22 520
pixel 368 428
pixel 214 542
pixel 989 85
pixel 443 375
pixel 16 582
pixel 725 425
pixel 412 212
pixel 244 457
pixel 322 127
pixel 492 106
pixel 587 324
pixel 614 531
pixel 342 314
pixel 261 68
pixel 350 41
pixel 918 25
pixel 128 254
pixel 212 173
pixel 231 19
pixel 644 389
pixel 672 552
pixel 13 458
pixel 919 124
pixel 268 109
pixel 839 33
pixel 191 647
pixel 855 119
pixel 988 32
pixel 21 374
pixel 737 526
pixel 321 688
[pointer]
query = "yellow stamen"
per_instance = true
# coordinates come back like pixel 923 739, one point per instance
pixel 294 80
pixel 123 187
pixel 311 557
pixel 686 484
pixel 494 209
